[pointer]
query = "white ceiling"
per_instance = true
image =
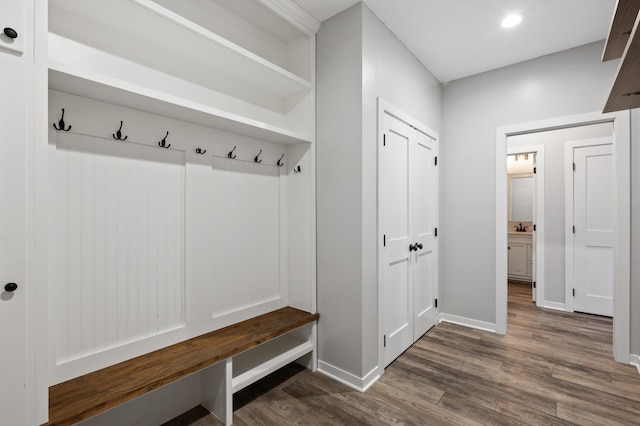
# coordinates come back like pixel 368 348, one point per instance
pixel 458 38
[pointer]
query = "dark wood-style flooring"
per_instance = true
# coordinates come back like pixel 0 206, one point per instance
pixel 552 368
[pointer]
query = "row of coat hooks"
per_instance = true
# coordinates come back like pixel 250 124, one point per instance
pixel 119 136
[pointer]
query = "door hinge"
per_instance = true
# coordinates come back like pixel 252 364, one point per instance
pixel 385 340
pixel 384 139
pixel 573 229
pixel 534 170
pixel 534 226
pixel 574 292
pixel 435 232
pixel 436 303
pixel 436 160
pixel 534 284
pixel 384 240
pixel 574 167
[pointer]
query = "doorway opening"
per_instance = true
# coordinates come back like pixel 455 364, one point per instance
pixel 621 215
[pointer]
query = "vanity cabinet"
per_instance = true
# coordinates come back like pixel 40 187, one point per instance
pixel 520 257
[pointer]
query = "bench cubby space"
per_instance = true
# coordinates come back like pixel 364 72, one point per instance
pixel 252 348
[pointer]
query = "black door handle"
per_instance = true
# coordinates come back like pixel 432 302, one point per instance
pixel 10 32
pixel 413 247
pixel 10 287
pixel 419 245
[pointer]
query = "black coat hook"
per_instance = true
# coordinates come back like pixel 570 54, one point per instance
pixel 280 163
pixel 230 154
pixel 61 125
pixel 163 143
pixel 297 169
pixel 257 158
pixel 118 135
pixel 200 151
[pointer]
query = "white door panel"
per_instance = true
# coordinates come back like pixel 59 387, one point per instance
pixel 593 239
pixel 397 277
pixel 12 241
pixel 424 202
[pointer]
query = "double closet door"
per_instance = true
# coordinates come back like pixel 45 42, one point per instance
pixel 408 190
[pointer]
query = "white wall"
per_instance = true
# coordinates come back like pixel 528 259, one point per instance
pixel 358 60
pixel 566 83
pixel 554 145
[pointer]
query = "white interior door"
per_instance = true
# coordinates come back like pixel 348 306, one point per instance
pixel 397 259
pixel 12 242
pixel 424 196
pixel 593 235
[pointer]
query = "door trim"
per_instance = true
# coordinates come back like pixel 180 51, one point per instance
pixel 383 107
pixel 622 217
pixel 539 222
pixel 568 214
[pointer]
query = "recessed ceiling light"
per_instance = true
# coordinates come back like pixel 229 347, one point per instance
pixel 511 21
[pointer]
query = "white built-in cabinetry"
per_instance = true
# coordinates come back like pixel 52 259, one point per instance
pixel 16 125
pixel 204 215
pixel 520 257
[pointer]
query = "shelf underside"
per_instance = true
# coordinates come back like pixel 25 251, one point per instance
pixel 625 93
pixel 623 20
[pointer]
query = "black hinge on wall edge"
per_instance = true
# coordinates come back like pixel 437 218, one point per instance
pixel 384 140
pixel 436 303
pixel 435 232
pixel 574 167
pixel 385 340
pixel 384 240
pixel 574 292
pixel 534 170
pixel 436 160
pixel 534 284
pixel 573 229
pixel 534 226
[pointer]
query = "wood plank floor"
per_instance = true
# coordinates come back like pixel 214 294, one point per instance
pixel 552 368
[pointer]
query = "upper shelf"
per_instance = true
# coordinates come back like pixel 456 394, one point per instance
pixel 625 93
pixel 621 26
pixel 88 72
pixel 244 66
pixel 265 65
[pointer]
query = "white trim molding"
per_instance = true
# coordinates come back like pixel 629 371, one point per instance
pixel 555 305
pixel 635 361
pixel 622 208
pixel 360 384
pixel 468 322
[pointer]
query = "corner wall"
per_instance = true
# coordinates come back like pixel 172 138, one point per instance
pixel 358 60
pixel 565 83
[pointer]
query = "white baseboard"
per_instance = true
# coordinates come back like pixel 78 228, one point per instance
pixel 554 305
pixel 468 322
pixel 360 384
pixel 635 361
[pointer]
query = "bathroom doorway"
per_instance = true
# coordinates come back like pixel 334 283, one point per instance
pixel 523 200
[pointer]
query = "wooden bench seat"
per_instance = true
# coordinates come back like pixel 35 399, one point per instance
pixel 85 396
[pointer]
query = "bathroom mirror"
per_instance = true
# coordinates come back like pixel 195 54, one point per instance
pixel 521 188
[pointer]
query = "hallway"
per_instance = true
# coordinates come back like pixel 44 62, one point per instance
pixel 552 368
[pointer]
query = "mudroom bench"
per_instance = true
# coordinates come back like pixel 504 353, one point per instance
pixel 231 358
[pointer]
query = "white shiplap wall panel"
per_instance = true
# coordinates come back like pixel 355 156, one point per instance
pixel 234 241
pixel 245 245
pixel 117 243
